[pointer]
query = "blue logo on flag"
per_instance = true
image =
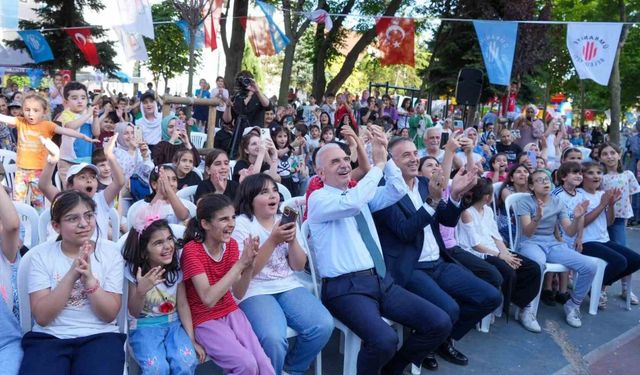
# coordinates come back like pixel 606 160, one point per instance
pixel 184 27
pixel 498 45
pixel 37 45
pixel 278 37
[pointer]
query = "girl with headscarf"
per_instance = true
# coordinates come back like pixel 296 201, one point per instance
pixel 174 139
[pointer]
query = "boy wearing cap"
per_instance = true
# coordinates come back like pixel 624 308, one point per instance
pixel 83 177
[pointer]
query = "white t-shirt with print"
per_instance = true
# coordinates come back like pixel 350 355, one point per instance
pixel 160 304
pixel 596 231
pixel 276 276
pixel 49 265
pixel 627 182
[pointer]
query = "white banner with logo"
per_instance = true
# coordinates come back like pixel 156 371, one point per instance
pixel 592 47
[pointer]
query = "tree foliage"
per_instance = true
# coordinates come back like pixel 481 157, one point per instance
pixel 168 52
pixel 57 14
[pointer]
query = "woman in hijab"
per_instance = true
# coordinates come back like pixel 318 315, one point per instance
pixel 174 139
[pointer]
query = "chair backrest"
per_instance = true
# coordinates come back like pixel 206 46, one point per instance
pixel 305 236
pixel 7 157
pixel 31 215
pixel 58 181
pixel 10 175
pixel 198 172
pixel 509 203
pixel 23 291
pixel 496 192
pixel 114 220
pixel 298 203
pixel 43 224
pixel 286 194
pixel 187 193
pixel 198 139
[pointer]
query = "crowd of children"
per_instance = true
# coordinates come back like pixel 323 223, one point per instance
pixel 227 287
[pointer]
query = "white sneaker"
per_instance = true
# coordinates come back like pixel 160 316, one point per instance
pixel 573 315
pixel 634 298
pixel 528 320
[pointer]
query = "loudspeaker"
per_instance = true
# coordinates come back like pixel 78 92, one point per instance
pixel 469 86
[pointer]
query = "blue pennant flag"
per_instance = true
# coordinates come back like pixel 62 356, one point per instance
pixel 498 45
pixel 37 45
pixel 184 27
pixel 35 76
pixel 278 37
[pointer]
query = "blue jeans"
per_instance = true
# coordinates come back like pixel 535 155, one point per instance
pixel 617 231
pixel 163 350
pixel 543 249
pixel 270 314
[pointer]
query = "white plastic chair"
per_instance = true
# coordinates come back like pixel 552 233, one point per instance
pixel 297 203
pixel 187 193
pixel 45 219
pixel 58 181
pixel 198 139
pixel 352 342
pixel 596 284
pixel 198 172
pixel 7 157
pixel 31 215
pixel 232 165
pixel 10 175
pixel 134 207
pixel 114 219
pixel 286 194
pixel 496 191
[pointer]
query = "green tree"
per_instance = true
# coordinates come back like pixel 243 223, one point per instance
pixel 168 52
pixel 251 63
pixel 57 14
pixel 194 12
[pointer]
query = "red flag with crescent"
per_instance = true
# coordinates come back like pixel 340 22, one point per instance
pixel 396 40
pixel 83 40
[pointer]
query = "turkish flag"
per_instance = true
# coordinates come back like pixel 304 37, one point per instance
pixel 210 25
pixel 83 40
pixel 395 40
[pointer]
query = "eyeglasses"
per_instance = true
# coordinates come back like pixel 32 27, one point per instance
pixel 542 180
pixel 75 219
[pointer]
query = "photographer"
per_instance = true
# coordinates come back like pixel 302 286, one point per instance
pixel 248 107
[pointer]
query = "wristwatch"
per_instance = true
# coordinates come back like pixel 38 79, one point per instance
pixel 433 203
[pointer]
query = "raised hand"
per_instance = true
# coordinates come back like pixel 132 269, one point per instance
pixel 379 146
pixel 220 182
pixel 283 233
pixel 539 208
pixel 615 195
pixel 452 145
pixel 149 280
pixel 52 149
pixel 463 181
pixel 581 209
pixel 436 185
pixel 108 150
pixel 83 265
pixel 250 251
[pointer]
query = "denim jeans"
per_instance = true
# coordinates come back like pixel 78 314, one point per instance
pixel 270 314
pixel 617 231
pixel 163 350
pixel 546 249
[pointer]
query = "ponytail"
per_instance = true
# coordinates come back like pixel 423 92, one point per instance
pixel 208 206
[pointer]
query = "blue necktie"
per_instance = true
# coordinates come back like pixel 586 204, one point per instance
pixel 371 245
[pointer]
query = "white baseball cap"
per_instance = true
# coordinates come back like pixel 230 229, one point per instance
pixel 77 168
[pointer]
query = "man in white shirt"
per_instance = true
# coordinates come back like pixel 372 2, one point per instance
pixel 415 253
pixel 356 287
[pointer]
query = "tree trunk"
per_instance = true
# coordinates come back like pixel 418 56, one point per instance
pixel 236 46
pixel 614 82
pixel 319 80
pixel 285 77
pixel 192 48
pixel 352 57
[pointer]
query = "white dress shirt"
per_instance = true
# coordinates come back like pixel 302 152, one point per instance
pixel 430 250
pixel 338 245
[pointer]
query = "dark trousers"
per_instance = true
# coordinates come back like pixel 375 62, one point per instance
pixel 621 261
pixel 360 302
pixel 101 354
pixel 477 266
pixel 520 286
pixel 465 297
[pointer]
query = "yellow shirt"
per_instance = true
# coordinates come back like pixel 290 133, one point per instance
pixel 31 152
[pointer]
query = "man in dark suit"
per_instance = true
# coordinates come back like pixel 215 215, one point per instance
pixel 415 254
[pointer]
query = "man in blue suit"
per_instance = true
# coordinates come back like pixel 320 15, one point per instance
pixel 415 254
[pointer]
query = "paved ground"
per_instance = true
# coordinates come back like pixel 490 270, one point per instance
pixel 608 343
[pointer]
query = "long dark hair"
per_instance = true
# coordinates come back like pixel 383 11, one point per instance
pixel 616 149
pixel 566 168
pixel 244 143
pixel 66 201
pixel 137 256
pixel 508 182
pixel 482 187
pixel 250 188
pixel 208 206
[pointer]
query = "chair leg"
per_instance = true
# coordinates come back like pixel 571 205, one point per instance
pixel 596 287
pixel 319 364
pixel 351 349
pixel 485 324
pixel 416 370
pixel 536 301
pixel 627 280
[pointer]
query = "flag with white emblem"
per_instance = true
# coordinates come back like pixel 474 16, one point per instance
pixel 498 45
pixel 593 49
pixel 396 40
